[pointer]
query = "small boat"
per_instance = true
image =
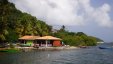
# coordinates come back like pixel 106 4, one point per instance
pixel 103 47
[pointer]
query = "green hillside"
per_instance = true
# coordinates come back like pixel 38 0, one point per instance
pixel 14 24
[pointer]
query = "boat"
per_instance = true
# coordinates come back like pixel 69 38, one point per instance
pixel 104 47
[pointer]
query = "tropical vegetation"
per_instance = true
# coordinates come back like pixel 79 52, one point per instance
pixel 76 39
pixel 14 24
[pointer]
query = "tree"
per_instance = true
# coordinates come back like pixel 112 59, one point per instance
pixel 75 39
pixel 62 28
pixel 80 34
pixel 15 24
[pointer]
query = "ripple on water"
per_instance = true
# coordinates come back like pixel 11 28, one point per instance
pixel 92 55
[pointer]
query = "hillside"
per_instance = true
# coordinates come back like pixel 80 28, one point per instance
pixel 15 24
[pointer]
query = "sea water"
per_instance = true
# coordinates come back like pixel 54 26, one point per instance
pixel 90 55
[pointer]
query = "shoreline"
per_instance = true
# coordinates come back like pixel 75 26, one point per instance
pixel 47 48
pixel 25 49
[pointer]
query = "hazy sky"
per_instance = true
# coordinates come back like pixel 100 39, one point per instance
pixel 93 17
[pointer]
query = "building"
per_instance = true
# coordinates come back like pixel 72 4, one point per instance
pixel 28 40
pixel 49 41
pixel 45 41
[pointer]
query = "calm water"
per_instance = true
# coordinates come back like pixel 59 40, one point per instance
pixel 92 55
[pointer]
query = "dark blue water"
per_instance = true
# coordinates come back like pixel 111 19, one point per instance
pixel 91 55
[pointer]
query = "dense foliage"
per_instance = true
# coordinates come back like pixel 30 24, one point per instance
pixel 76 39
pixel 14 23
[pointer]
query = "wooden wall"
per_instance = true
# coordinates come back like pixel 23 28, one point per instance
pixel 57 43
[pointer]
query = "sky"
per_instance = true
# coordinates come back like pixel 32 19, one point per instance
pixel 93 17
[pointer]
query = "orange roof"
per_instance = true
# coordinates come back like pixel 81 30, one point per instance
pixel 29 37
pixel 48 38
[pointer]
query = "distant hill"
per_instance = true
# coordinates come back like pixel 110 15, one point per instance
pixel 99 40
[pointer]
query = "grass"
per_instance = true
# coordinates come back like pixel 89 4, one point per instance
pixel 12 50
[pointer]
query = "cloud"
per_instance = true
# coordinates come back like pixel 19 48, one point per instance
pixel 102 17
pixel 66 12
